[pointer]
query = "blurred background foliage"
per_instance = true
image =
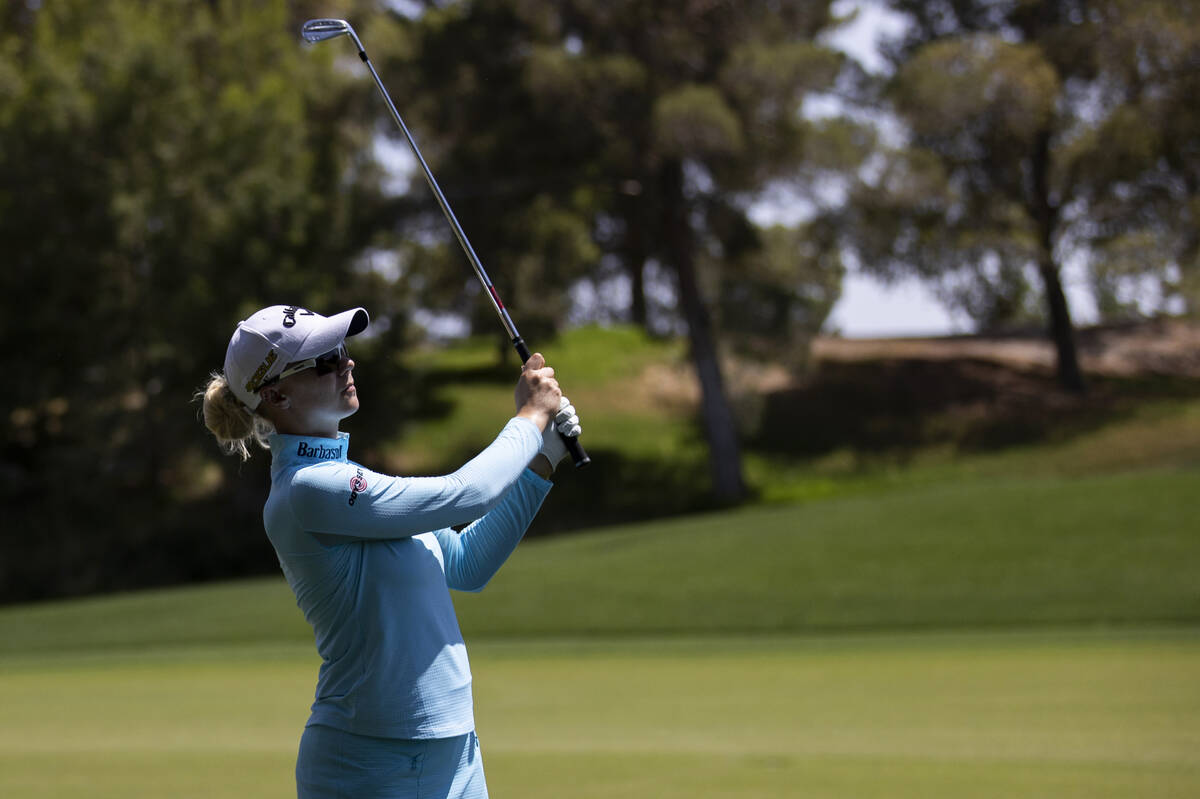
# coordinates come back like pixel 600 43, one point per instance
pixel 1037 134
pixel 167 168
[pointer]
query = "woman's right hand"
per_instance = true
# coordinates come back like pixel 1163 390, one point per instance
pixel 537 394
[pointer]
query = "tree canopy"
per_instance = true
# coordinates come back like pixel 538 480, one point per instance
pixel 581 139
pixel 1038 133
pixel 165 169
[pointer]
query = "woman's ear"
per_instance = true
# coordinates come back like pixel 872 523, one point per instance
pixel 274 399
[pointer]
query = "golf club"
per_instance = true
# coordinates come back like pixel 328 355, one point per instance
pixel 318 30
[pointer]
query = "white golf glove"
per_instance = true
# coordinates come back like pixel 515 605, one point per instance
pixel 565 422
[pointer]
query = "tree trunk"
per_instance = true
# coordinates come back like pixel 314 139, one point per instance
pixel 1045 214
pixel 637 289
pixel 1062 331
pixel 720 428
pixel 635 260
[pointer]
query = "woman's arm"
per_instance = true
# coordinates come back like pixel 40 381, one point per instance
pixel 473 556
pixel 345 499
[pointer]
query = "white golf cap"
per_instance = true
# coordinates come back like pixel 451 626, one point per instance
pixel 274 337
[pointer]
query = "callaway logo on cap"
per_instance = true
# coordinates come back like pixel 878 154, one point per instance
pixel 274 337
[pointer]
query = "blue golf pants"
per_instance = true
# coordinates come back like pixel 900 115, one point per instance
pixel 335 764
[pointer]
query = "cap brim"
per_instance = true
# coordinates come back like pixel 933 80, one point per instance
pixel 332 331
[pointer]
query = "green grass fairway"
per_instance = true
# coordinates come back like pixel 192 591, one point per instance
pixel 1088 715
pixel 1109 549
pixel 999 632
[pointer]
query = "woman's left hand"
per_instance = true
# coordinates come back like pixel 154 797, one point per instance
pixel 566 423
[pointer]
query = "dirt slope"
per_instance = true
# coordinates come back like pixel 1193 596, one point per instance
pixel 1163 347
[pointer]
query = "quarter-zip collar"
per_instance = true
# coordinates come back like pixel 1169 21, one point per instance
pixel 287 450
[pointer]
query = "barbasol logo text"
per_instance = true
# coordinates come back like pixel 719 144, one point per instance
pixel 319 451
pixel 358 484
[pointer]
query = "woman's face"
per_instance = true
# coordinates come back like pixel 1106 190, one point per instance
pixel 317 402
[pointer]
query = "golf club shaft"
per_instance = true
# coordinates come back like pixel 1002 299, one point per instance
pixel 578 455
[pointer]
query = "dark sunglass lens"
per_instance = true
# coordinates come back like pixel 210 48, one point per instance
pixel 330 361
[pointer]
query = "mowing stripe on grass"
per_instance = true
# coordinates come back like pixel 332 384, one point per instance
pixel 941 715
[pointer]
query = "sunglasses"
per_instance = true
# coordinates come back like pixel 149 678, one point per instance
pixel 324 364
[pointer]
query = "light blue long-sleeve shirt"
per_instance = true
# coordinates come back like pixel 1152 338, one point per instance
pixel 369 557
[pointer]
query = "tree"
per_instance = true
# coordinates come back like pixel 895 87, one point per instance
pixel 165 168
pixel 1037 132
pixel 642 131
pixel 773 297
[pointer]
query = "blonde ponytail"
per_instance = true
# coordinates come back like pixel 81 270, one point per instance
pixel 232 423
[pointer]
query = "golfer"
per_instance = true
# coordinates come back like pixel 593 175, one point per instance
pixel 370 556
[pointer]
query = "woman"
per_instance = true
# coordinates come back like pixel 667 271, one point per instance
pixel 370 556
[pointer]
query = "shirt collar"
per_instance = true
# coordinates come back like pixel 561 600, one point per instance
pixel 287 449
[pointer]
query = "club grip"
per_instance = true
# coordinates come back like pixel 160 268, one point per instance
pixel 578 456
pixel 521 348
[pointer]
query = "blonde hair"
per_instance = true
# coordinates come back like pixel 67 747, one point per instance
pixel 232 423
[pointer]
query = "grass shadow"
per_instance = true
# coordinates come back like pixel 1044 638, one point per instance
pixel 617 488
pixel 897 406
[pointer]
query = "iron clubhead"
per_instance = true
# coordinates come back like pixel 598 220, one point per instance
pixel 318 30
